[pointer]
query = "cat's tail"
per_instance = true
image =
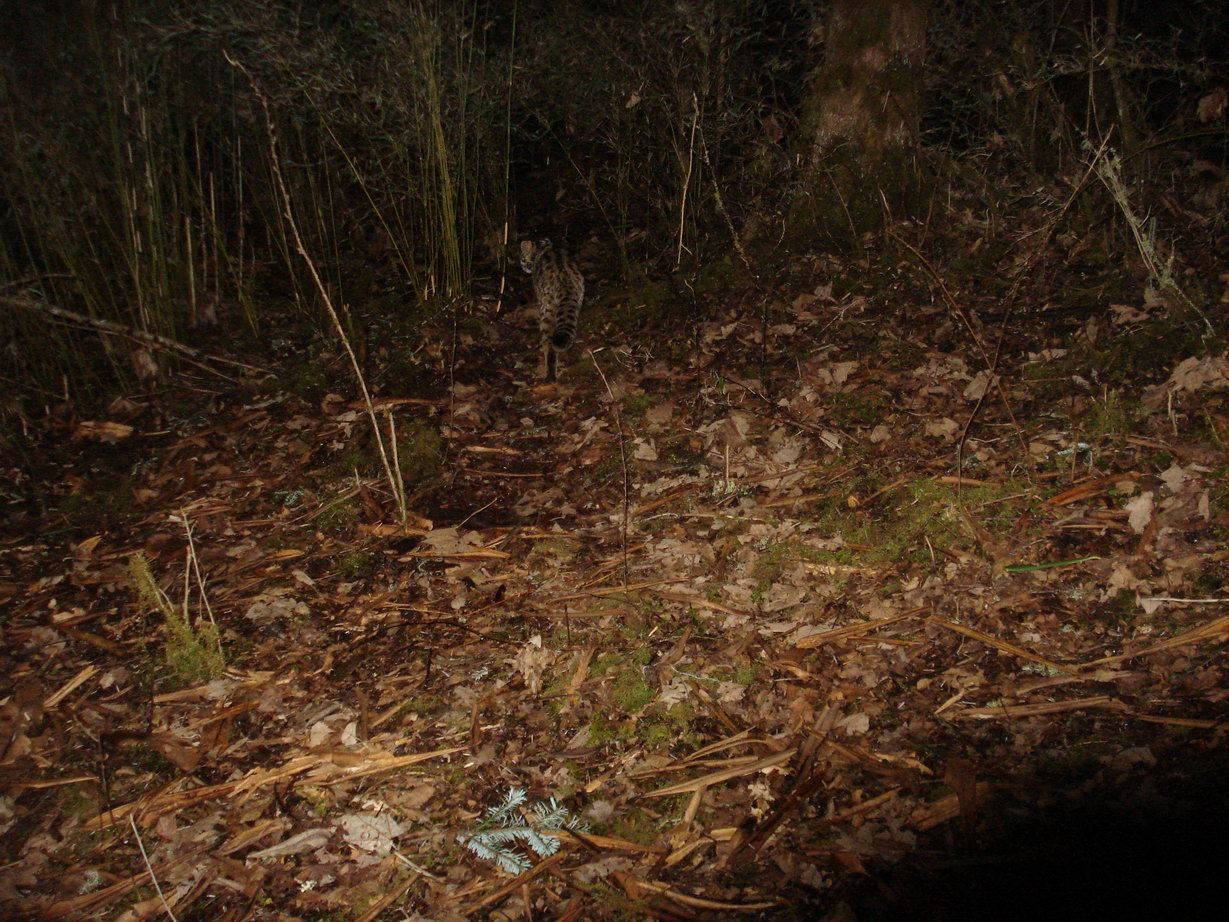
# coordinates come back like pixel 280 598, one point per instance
pixel 563 337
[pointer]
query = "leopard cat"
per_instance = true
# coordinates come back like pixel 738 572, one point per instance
pixel 560 290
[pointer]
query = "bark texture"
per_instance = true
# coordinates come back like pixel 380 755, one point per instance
pixel 859 128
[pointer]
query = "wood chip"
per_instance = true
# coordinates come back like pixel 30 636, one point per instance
pixel 811 641
pixel 1001 645
pixel 738 771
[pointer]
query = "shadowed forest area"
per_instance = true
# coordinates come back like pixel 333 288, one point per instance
pixel 865 560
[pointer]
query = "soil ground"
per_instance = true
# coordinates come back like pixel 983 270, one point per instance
pixel 789 603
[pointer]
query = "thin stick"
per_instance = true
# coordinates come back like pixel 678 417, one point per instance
pixel 1108 168
pixel 475 512
pixel 712 177
pixel 392 443
pixel 1170 598
pixel 29 280
pixel 153 340
pixel 614 406
pixel 503 256
pixel 691 159
pixel 452 358
pixel 742 254
pixel 194 564
pixel 1012 298
pixel 991 363
pixel 148 867
pixel 394 481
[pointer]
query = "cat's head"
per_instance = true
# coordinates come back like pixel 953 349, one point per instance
pixel 531 252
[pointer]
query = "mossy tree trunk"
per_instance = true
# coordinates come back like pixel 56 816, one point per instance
pixel 859 131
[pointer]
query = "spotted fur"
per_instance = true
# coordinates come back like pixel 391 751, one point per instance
pixel 560 290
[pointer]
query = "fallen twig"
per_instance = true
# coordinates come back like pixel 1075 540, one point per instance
pixel 152 340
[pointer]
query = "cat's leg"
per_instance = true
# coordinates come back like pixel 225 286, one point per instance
pixel 552 361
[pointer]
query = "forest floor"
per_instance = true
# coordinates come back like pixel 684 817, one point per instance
pixel 731 617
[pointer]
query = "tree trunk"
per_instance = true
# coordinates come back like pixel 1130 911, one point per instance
pixel 859 127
